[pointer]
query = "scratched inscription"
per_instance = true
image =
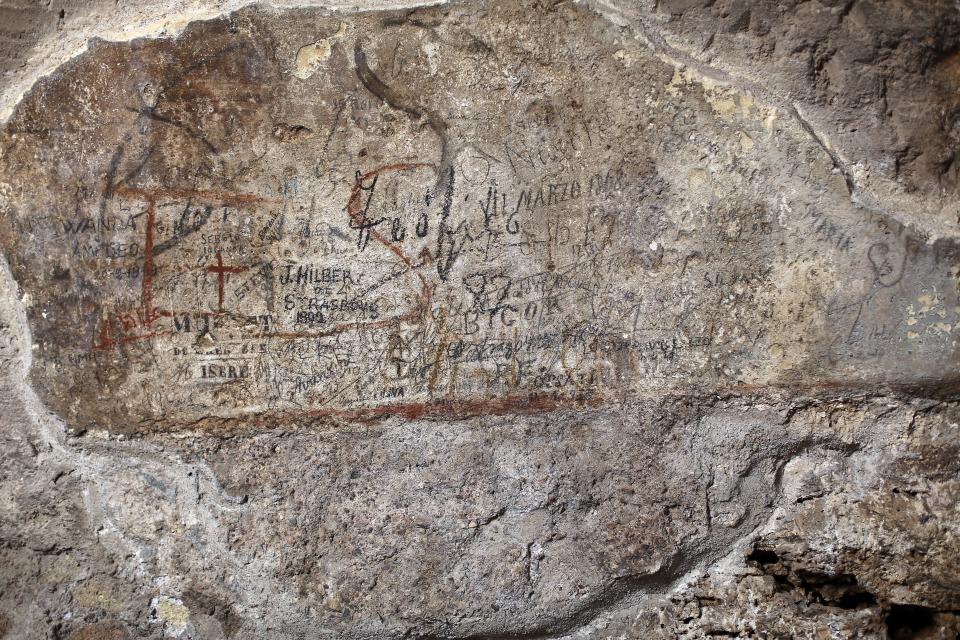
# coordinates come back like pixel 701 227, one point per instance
pixel 436 220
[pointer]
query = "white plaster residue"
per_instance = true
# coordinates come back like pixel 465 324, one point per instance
pixel 431 49
pixel 311 57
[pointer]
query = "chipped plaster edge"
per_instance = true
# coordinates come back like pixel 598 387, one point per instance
pixel 54 51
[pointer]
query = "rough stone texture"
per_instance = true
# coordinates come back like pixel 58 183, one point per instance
pixel 486 320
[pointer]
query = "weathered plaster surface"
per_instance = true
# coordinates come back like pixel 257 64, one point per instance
pixel 481 320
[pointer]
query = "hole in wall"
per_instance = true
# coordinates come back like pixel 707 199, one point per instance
pixel 906 620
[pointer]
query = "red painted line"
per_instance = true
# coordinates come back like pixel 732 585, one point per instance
pixel 447 409
pixel 110 343
pixel 146 281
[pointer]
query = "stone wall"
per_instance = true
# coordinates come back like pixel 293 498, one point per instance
pixel 496 319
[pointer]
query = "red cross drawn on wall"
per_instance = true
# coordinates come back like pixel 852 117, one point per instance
pixel 219 269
